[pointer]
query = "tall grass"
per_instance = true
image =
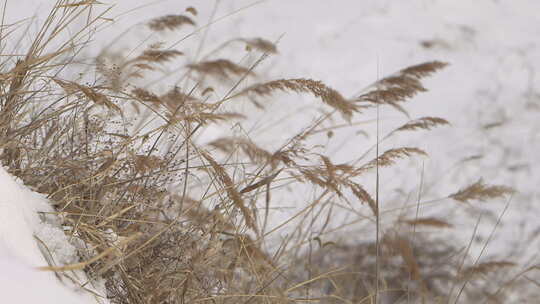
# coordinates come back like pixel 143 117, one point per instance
pixel 167 218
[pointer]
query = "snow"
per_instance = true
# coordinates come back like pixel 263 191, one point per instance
pixel 20 226
pixel 20 283
pixel 494 55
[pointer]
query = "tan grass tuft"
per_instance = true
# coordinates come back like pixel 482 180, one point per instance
pixel 230 188
pixel 158 56
pixel 146 163
pixel 207 91
pixel 170 22
pixel 328 175
pixel 424 69
pixel 17 75
pixel 260 44
pixel 400 87
pixel 389 157
pixel 145 95
pixel 390 97
pixel 328 95
pixel 364 197
pixel 221 68
pixel 416 269
pixel 428 221
pixel 424 123
pixel 199 214
pixel 80 3
pixel 482 192
pixel 405 249
pixel 192 10
pixel 487 267
pixel 91 93
pixel 323 181
pixel 175 99
pixel 141 66
pixel 253 259
pixel 205 118
pixel 263 182
pixel 254 152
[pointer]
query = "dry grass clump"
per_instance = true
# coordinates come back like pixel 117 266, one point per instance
pixel 414 270
pixel 422 269
pixel 167 219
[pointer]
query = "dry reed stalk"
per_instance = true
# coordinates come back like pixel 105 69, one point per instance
pixel 250 149
pixel 482 192
pixel 192 10
pixel 328 95
pixel 423 69
pixel 389 157
pixel 170 22
pixel 158 56
pixel 91 93
pixel 80 3
pixel 230 188
pixel 424 123
pixel 486 267
pixel 222 69
pixel 254 259
pixel 176 101
pixel 198 213
pixel 260 44
pixel 400 87
pixel 146 96
pixel 365 197
pixel 428 221
pixel 263 182
pixel 204 118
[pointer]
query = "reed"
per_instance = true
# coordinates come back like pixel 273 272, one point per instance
pixel 166 218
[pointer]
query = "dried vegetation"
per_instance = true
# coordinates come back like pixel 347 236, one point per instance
pixel 167 219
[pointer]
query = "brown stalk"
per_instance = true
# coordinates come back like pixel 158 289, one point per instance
pixel 169 22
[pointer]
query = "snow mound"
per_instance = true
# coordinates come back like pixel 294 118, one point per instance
pixel 23 226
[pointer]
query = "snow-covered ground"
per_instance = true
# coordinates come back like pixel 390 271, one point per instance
pixel 30 238
pixel 490 93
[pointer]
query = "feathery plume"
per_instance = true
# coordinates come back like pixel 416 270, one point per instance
pixel 318 89
pixel 169 22
pixel 481 192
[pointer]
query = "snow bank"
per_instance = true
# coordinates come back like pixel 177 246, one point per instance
pixel 22 224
